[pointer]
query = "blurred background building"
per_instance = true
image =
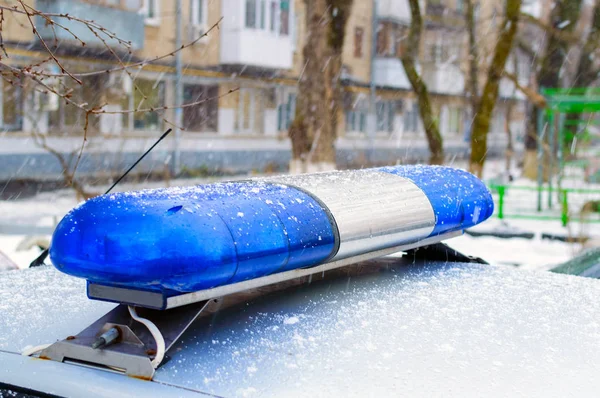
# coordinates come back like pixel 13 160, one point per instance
pixel 258 49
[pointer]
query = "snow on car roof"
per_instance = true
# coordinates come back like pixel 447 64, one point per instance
pixel 43 305
pixel 439 328
pixel 435 329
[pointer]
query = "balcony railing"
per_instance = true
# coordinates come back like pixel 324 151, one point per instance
pixel 259 37
pixel 441 14
pixel 389 72
pixel 444 78
pixel 126 23
pixel 394 10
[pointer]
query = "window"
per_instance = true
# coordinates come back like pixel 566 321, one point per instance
pixel 459 6
pixel 150 9
pixel 64 118
pixel 273 16
pixel 204 116
pixel 12 102
pixel 251 13
pixel 358 42
pixel 393 42
pixel 198 12
pixel 385 116
pixel 411 118
pixel 382 38
pixel 356 117
pixel 284 17
pixel 453 120
pixel 286 112
pixel 256 14
pixel 155 98
pixel 498 121
pixel 250 111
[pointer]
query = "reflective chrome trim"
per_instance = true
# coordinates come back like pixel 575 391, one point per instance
pixel 373 210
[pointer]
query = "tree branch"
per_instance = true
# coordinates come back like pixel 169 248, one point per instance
pixel 35 31
pixel 537 99
pixel 568 37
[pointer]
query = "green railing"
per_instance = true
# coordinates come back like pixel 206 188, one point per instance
pixel 501 190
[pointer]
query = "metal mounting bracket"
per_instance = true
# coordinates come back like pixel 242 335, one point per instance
pixel 132 353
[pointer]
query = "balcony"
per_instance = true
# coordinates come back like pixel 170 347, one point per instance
pixel 394 10
pixel 439 14
pixel 444 79
pixel 261 39
pixel 389 72
pixel 126 24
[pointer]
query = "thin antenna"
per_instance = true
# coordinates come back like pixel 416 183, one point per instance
pixel 42 257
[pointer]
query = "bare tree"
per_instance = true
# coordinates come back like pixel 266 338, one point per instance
pixel 408 58
pixel 339 12
pixel 44 82
pixel 473 79
pixel 559 39
pixel 587 70
pixel 313 130
pixel 486 104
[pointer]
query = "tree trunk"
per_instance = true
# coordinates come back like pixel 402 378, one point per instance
pixel 339 12
pixel 586 74
pixel 313 130
pixel 481 124
pixel 509 137
pixel 434 138
pixel 549 73
pixel 473 57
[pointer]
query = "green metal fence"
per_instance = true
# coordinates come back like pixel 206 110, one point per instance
pixel 502 189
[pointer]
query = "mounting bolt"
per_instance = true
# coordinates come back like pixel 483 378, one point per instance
pixel 106 338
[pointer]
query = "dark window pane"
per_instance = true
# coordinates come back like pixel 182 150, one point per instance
pixel 251 13
pixel 358 42
pixel 284 18
pixel 201 117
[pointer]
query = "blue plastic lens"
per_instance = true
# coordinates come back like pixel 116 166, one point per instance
pixel 187 239
pixel 459 199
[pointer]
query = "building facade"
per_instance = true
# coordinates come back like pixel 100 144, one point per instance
pixel 256 50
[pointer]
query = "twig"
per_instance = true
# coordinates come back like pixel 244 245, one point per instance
pixel 140 63
pixel 164 108
pixel 35 31
pixel 2 38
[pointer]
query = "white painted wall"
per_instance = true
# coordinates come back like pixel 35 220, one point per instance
pixel 270 122
pixel 226 118
pixel 253 47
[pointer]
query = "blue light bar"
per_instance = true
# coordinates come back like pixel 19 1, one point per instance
pixel 178 240
pixel 459 200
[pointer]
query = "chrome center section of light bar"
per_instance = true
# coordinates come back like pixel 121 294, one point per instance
pixel 373 210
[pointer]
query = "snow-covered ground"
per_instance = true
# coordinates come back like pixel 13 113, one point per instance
pixel 22 219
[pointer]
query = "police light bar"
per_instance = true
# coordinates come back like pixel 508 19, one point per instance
pixel 164 248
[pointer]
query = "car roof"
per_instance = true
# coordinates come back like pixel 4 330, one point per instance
pixel 408 326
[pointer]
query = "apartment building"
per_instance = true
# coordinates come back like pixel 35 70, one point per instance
pixel 256 50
